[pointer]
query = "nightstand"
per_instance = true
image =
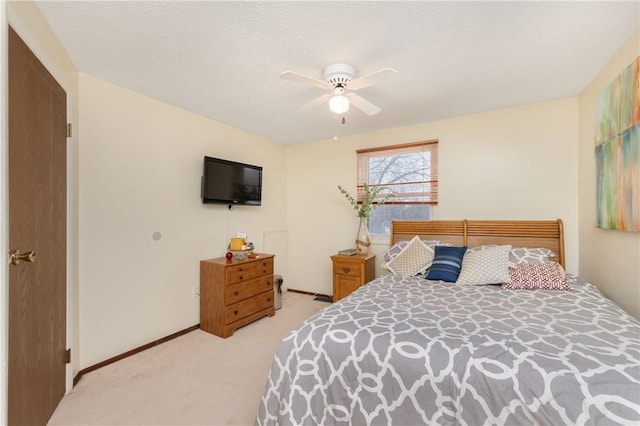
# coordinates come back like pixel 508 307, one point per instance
pixel 351 272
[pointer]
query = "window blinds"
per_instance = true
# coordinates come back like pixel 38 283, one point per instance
pixel 409 170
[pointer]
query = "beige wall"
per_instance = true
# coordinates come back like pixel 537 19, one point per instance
pixel 518 163
pixel 609 259
pixel 27 20
pixel 140 167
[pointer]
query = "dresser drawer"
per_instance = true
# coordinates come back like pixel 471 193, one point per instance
pixel 243 290
pixel 247 271
pixel 247 307
pixel 341 267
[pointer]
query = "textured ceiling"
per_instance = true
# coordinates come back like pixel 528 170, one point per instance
pixel 223 59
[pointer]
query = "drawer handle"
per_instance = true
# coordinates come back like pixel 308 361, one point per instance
pixel 268 284
pixel 346 270
pixel 241 277
pixel 268 299
pixel 236 293
pixel 235 312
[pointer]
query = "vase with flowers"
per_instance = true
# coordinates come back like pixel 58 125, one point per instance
pixel 371 199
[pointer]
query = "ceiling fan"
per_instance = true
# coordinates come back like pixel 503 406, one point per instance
pixel 340 82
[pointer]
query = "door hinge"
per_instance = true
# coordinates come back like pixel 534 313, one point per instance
pixel 69 130
pixel 67 356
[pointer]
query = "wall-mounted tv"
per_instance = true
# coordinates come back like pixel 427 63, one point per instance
pixel 229 182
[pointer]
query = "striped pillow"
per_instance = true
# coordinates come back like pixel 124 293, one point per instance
pixel 447 263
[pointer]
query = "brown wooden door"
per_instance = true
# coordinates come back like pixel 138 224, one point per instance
pixel 37 221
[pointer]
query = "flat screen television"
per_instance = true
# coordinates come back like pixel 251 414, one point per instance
pixel 229 182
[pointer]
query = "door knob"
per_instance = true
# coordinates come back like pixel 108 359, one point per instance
pixel 15 257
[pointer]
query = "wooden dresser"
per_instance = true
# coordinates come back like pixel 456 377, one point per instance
pixel 351 272
pixel 234 293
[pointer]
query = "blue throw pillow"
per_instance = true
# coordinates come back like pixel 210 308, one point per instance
pixel 447 262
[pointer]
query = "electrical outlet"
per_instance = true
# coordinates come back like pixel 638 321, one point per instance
pixel 195 292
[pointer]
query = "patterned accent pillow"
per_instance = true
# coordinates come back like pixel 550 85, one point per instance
pixel 395 249
pixel 415 258
pixel 485 265
pixel 537 276
pixel 520 255
pixel 446 263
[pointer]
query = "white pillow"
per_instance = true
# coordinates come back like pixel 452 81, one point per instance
pixel 485 265
pixel 415 258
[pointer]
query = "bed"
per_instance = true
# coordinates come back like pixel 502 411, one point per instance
pixel 405 350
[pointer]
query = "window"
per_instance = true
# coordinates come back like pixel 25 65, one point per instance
pixel 410 171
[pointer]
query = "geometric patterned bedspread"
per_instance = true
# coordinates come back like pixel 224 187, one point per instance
pixel 406 351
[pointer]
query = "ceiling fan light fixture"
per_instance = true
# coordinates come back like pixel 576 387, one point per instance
pixel 339 103
pixel 339 78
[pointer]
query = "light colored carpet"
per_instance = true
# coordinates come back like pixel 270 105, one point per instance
pixel 195 379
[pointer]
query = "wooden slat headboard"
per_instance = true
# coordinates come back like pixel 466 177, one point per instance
pixel 518 233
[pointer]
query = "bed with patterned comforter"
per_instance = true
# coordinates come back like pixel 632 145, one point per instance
pixel 407 351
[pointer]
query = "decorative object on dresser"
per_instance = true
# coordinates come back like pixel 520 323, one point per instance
pixel 235 293
pixel 240 248
pixel 351 272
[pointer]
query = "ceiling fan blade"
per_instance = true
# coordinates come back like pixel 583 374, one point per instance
pixel 371 79
pixel 299 78
pixel 363 104
pixel 314 103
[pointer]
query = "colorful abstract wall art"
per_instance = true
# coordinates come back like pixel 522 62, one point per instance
pixel 617 139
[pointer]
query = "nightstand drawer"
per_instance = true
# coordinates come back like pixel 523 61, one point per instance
pixel 347 268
